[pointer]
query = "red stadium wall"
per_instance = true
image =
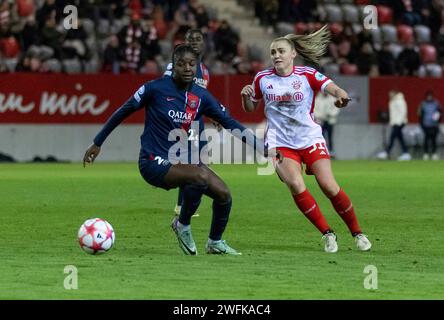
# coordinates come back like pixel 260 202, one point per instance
pixel 88 99
pixel 414 90
pixel 91 99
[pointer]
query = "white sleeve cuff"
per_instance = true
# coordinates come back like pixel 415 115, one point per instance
pixel 325 84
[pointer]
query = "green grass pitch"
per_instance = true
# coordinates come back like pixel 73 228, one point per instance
pixel 399 205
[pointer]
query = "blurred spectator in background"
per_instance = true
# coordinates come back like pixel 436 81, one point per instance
pixel 267 12
pixel 132 58
pixel 367 60
pixel 200 15
pixel 30 34
pixel 439 38
pixel 397 121
pixel 296 10
pixel 226 42
pixel 408 61
pixel 386 61
pixel 130 41
pixel 51 37
pixel 430 114
pixel 74 45
pixel 50 8
pixel 150 40
pixel 112 56
pixel 31 62
pixel 326 114
pixel 184 16
pixel 410 12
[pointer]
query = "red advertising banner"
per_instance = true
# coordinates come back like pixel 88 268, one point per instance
pixel 87 99
pixel 414 90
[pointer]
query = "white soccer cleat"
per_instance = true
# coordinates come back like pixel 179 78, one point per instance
pixel 425 157
pixel 435 156
pixel 405 157
pixel 362 242
pixel 382 155
pixel 331 245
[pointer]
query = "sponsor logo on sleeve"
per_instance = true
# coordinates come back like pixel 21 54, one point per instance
pixel 319 76
pixel 139 93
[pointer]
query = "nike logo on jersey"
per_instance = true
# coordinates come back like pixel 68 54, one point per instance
pixel 170 99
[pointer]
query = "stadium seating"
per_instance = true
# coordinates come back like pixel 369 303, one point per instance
pixel 336 28
pixel 395 49
pixel 10 64
pixel 376 36
pixel 72 66
pixel 331 69
pixel 389 33
pixel 351 13
pixel 9 47
pixel 405 34
pixel 25 7
pixel 254 53
pixel 349 69
pixel 334 13
pixel 362 2
pixel 53 65
pixel 300 28
pixel 88 26
pixel 283 28
pixel 422 33
pixel 337 13
pixel 427 53
pixel 385 14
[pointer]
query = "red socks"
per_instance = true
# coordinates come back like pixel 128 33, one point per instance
pixel 344 208
pixel 307 204
pixel 342 204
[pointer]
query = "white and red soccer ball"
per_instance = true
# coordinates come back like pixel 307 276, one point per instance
pixel 96 236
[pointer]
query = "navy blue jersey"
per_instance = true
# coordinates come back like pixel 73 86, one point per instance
pixel 202 79
pixel 167 108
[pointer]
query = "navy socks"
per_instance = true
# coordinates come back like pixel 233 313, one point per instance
pixel 192 194
pixel 221 212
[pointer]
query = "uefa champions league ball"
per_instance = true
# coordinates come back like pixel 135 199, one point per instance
pixel 96 236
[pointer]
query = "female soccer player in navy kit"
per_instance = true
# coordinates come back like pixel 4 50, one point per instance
pixel 194 38
pixel 172 103
pixel 288 92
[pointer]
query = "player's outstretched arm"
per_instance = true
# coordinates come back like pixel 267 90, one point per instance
pixel 342 98
pixel 91 154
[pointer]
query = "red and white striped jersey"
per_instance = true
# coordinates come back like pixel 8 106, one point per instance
pixel 289 106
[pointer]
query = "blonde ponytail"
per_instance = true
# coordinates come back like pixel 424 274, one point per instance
pixel 310 46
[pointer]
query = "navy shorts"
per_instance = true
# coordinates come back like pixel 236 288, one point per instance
pixel 153 169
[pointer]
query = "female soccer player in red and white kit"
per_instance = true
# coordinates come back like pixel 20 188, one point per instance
pixel 288 92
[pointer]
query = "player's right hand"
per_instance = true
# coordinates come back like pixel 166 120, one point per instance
pixel 247 90
pixel 91 154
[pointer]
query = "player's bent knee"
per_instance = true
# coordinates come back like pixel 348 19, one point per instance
pixel 224 196
pixel 296 187
pixel 201 177
pixel 330 190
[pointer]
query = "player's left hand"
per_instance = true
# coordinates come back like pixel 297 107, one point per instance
pixel 91 154
pixel 342 102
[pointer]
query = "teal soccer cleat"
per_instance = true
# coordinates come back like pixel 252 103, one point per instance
pixel 220 247
pixel 184 237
